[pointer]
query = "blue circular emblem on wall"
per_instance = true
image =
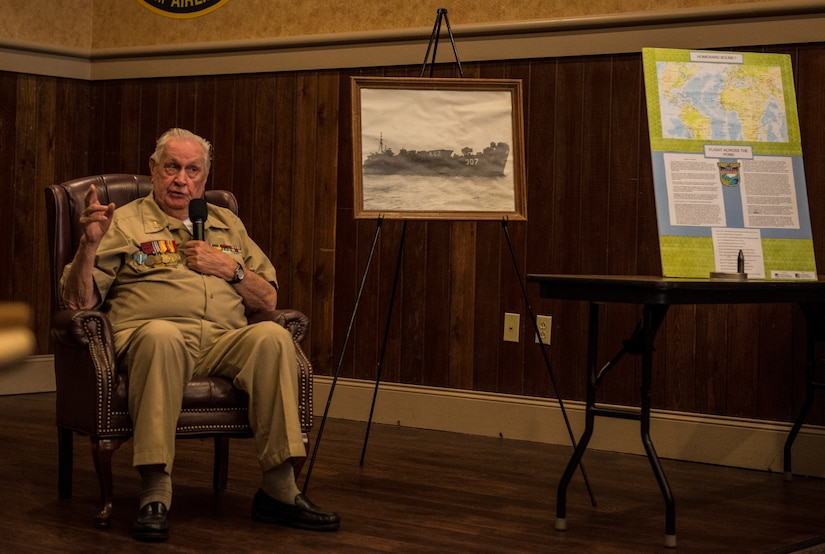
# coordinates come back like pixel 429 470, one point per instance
pixel 182 8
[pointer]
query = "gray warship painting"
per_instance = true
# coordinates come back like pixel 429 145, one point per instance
pixel 430 153
pixel 489 162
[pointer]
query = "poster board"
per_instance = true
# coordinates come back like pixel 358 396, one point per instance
pixel 430 148
pixel 727 164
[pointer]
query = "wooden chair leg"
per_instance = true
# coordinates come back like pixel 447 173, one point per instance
pixel 65 455
pixel 221 468
pixel 102 451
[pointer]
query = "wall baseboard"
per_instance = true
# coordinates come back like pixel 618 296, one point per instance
pixel 727 441
pixel 734 442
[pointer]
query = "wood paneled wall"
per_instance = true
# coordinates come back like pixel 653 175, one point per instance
pixel 282 144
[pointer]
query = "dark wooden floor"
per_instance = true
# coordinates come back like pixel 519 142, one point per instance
pixel 419 491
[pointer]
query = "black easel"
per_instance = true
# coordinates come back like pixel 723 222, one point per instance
pixel 432 47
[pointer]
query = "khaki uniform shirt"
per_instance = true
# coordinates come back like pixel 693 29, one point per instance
pixel 141 273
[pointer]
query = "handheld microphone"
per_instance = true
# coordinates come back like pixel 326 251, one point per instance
pixel 197 215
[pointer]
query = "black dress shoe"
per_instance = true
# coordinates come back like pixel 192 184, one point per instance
pixel 151 523
pixel 303 515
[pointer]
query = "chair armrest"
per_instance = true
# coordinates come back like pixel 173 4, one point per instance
pixel 296 323
pixel 79 328
pixel 85 369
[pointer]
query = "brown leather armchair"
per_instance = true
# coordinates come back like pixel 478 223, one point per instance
pixel 92 392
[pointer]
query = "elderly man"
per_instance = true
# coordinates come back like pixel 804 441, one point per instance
pixel 177 306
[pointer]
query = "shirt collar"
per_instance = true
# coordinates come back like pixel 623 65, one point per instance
pixel 156 220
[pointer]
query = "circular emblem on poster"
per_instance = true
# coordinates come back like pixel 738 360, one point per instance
pixel 181 9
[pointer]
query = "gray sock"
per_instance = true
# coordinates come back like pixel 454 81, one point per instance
pixel 156 486
pixel 279 483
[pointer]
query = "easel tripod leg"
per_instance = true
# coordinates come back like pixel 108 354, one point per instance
pixel 386 336
pixel 567 476
pixel 532 316
pixel 377 233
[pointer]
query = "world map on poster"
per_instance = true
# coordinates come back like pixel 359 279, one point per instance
pixel 728 174
pixel 724 102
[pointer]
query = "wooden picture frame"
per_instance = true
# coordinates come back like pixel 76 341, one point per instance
pixel 427 148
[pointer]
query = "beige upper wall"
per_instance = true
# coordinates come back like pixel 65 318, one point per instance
pixel 122 39
pixel 115 22
pixel 104 24
pixel 66 23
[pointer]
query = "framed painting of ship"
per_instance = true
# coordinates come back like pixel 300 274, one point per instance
pixel 426 148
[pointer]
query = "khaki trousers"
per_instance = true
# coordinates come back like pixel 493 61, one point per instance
pixel 161 356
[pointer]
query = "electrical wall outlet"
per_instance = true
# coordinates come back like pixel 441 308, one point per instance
pixel 511 327
pixel 545 325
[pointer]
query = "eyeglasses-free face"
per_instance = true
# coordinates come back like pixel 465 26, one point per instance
pixel 172 169
pixel 179 177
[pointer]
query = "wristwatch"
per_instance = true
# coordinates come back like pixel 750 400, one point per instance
pixel 238 277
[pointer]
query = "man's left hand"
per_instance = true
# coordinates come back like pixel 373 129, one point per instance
pixel 208 260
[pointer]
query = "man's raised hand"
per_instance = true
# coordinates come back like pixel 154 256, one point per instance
pixel 96 217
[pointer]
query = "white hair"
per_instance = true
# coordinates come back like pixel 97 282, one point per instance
pixel 175 132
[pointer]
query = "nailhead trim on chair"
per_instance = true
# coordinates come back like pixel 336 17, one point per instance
pixel 214 428
pixel 305 391
pixel 100 359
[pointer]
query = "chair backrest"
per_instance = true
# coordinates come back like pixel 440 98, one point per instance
pixel 66 201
